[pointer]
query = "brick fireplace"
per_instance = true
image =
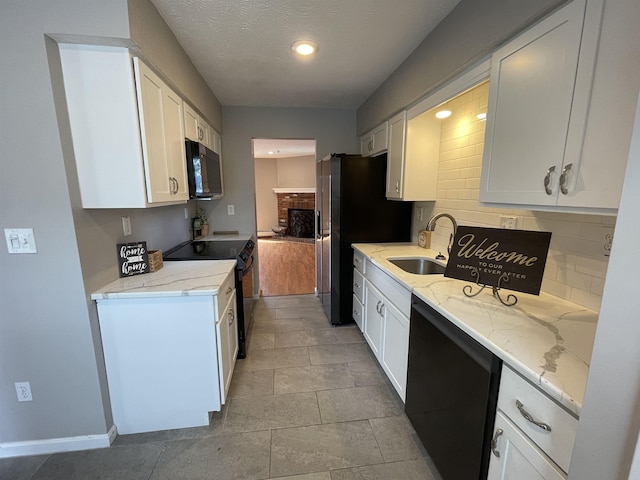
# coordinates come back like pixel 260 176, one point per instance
pixel 296 212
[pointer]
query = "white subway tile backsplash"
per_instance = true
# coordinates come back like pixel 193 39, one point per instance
pixel 575 268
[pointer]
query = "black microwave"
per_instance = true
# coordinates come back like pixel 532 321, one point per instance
pixel 204 170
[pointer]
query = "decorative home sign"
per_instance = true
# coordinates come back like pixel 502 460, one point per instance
pixel 510 259
pixel 133 258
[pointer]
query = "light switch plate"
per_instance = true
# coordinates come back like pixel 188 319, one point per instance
pixel 20 240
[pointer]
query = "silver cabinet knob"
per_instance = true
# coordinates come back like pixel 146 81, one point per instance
pixel 231 317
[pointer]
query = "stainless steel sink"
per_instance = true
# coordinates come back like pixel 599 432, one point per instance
pixel 418 265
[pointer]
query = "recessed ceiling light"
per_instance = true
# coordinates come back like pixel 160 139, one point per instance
pixel 305 47
pixel 270 153
pixel 443 114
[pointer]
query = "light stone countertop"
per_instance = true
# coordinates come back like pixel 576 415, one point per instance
pixel 174 279
pixel 546 339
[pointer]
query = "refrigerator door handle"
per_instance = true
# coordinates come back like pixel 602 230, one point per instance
pixel 318 233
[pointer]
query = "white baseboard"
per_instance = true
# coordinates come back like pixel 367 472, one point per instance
pixel 57 445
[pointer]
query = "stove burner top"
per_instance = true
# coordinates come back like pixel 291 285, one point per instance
pixel 240 250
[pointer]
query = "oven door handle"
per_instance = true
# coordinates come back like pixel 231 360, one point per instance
pixel 248 266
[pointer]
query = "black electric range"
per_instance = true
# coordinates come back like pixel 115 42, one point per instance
pixel 242 252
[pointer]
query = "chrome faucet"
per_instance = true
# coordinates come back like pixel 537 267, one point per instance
pixel 431 225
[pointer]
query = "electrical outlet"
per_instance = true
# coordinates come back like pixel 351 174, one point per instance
pixel 509 223
pixel 126 226
pixel 186 213
pixel 419 213
pixel 23 391
pixel 607 240
pixel 231 210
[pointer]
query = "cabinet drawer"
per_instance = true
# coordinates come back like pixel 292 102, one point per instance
pixel 358 286
pixel 394 291
pixel 358 261
pixel 225 292
pixel 558 442
pixel 357 313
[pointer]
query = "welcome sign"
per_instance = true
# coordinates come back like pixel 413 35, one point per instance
pixel 133 259
pixel 494 252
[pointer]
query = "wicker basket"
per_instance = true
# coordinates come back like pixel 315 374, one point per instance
pixel 155 260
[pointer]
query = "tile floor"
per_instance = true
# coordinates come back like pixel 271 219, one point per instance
pixel 308 403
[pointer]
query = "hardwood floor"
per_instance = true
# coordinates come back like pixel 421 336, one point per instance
pixel 286 267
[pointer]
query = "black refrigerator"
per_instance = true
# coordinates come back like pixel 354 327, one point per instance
pixel 351 207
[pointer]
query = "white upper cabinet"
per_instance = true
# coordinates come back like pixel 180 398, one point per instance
pixel 161 124
pixel 127 130
pixel 198 130
pixel 375 142
pixel 558 129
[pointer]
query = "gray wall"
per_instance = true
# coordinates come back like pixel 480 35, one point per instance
pixel 468 34
pixel 48 327
pixel 333 130
pixel 158 45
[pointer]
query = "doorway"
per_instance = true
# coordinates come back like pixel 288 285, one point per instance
pixel 285 179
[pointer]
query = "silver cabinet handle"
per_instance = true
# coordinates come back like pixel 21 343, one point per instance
pixel 563 178
pixel 547 179
pixel 171 187
pixel 530 419
pixel 357 260
pixel 378 307
pixel 494 442
pixel 382 308
pixel 357 286
pixel 231 317
pixel 229 290
pixel 397 187
pixel 356 313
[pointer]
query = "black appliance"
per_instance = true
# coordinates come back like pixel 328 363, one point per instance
pixel 452 393
pixel 204 171
pixel 351 207
pixel 242 252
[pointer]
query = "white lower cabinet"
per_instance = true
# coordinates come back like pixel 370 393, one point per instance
pixel 386 324
pixel 395 347
pixel 227 341
pixel 169 360
pixel 514 456
pixel 533 435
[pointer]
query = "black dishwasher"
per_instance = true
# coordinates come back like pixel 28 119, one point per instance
pixel 452 392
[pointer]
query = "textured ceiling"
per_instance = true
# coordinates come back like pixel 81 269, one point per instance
pixel 243 48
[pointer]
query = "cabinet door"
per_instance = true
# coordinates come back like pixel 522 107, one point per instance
pixel 174 143
pixel 227 339
pixel 366 145
pixel 519 457
pixel 216 142
pixel 190 123
pixel 160 188
pixel 373 323
pixel 530 103
pixel 395 155
pixel 379 138
pixel 395 347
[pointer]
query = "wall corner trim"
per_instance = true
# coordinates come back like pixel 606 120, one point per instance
pixel 58 445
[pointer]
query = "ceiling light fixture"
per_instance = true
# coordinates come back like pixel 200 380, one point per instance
pixel 482 116
pixel 443 114
pixel 270 152
pixel 305 47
